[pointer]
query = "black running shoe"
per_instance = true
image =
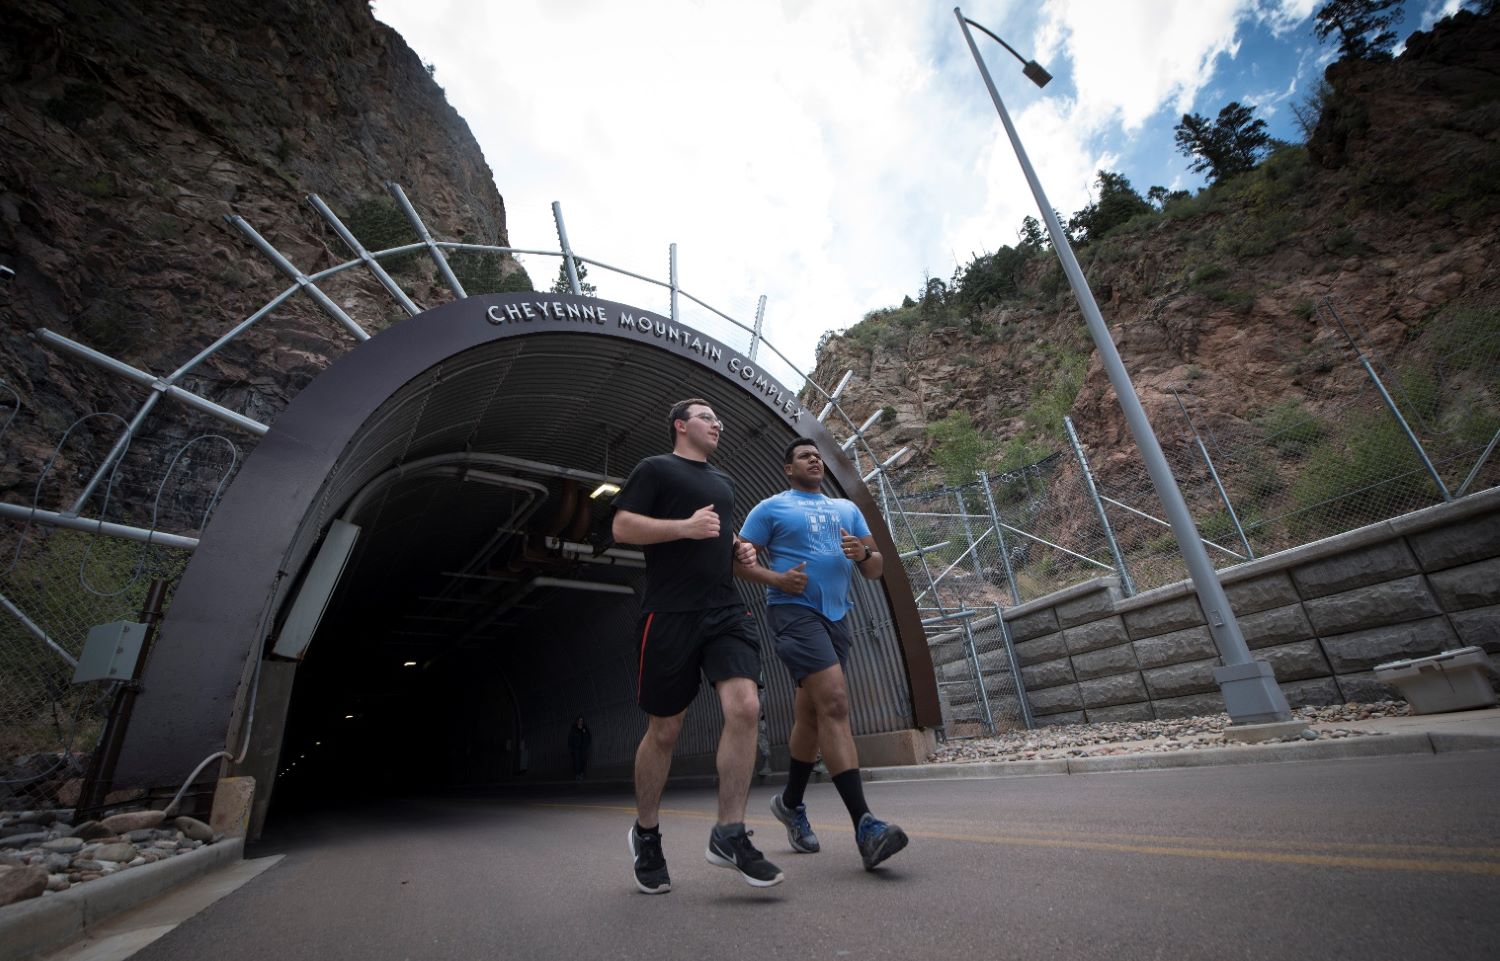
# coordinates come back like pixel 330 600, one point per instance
pixel 650 864
pixel 799 833
pixel 735 851
pixel 877 840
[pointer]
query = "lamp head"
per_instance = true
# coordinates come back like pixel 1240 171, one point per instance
pixel 1036 73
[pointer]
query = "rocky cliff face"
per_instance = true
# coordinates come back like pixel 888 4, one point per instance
pixel 1393 210
pixel 131 128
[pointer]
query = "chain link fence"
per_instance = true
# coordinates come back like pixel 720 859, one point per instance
pixel 1357 438
pixel 58 583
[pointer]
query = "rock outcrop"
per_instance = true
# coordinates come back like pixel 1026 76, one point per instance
pixel 132 128
pixel 1392 209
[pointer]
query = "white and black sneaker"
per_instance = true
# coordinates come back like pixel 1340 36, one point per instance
pixel 650 864
pixel 732 849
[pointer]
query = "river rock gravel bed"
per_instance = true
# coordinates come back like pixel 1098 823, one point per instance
pixel 1142 737
pixel 42 852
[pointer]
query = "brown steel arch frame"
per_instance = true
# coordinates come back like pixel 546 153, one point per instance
pixel 196 688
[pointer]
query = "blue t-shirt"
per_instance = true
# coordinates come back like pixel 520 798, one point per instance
pixel 795 526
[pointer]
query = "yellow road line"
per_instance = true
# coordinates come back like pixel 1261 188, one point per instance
pixel 1428 865
pixel 1037 832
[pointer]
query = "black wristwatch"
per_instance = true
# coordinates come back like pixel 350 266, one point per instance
pixel 868 554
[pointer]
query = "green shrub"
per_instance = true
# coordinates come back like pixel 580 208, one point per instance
pixel 1206 274
pixel 1054 399
pixel 1290 428
pixel 1345 482
pixel 379 224
pixel 481 272
pixel 958 448
pixel 1240 300
pixel 989 279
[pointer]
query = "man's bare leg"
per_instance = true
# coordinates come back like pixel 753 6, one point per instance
pixel 736 758
pixel 803 743
pixel 730 847
pixel 653 760
pixel 829 698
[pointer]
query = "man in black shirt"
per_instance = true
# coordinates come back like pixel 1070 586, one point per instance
pixel 680 510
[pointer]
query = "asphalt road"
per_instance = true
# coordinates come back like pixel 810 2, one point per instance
pixel 1378 858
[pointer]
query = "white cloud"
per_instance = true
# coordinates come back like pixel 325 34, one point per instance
pixel 1132 57
pixel 822 154
pixel 1282 16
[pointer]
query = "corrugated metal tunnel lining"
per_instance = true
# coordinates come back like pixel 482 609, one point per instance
pixel 454 440
pixel 444 571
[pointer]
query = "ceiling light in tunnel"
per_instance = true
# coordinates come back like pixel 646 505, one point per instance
pixel 348 717
pixel 605 489
pixel 408 663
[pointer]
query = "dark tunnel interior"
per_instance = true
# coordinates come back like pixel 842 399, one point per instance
pixel 459 597
pixel 483 606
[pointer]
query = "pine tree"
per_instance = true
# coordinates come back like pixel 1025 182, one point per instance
pixel 1355 21
pixel 561 285
pixel 1229 145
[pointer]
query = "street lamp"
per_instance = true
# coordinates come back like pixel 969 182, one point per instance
pixel 1249 687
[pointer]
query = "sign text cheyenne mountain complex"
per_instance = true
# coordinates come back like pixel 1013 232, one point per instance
pixel 525 312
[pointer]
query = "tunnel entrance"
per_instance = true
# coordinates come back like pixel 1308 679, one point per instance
pixel 480 607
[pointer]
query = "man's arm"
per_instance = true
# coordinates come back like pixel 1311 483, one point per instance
pixel 793 581
pixel 861 550
pixel 629 527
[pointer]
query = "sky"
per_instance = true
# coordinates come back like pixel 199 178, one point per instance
pixel 829 155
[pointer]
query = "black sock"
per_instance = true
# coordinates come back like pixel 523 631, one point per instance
pixel 797 774
pixel 645 831
pixel 852 790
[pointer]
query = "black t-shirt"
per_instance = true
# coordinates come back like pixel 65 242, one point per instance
pixel 684 574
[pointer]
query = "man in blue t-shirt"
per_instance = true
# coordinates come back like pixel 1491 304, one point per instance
pixel 814 544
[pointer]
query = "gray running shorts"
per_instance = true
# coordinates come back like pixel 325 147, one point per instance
pixel 806 641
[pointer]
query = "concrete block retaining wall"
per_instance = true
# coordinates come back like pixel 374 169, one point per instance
pixel 1322 615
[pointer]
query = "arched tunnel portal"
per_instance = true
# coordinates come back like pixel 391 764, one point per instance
pixel 479 606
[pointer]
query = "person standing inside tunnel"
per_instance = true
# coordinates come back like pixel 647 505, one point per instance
pixel 815 544
pixel 579 740
pixel 679 509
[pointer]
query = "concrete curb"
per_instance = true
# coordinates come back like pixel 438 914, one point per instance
pixel 1417 742
pixel 43 924
pixel 1323 749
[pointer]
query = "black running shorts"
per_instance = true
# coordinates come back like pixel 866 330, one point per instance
pixel 806 641
pixel 675 646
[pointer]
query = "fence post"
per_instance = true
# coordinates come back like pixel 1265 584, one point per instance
pixel 1126 584
pixel 1010 576
pixel 1234 517
pixel 101 771
pixel 672 277
pixel 1479 464
pixel 1015 669
pixel 760 319
pixel 567 251
pixel 981 690
pixel 1390 404
pixel 426 237
pixel 984 695
pixel 368 259
pixel 963 517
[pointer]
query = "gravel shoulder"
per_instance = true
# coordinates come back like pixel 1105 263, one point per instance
pixel 1154 737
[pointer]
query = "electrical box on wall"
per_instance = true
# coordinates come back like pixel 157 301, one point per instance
pixel 110 652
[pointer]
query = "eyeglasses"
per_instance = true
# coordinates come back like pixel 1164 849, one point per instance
pixel 709 419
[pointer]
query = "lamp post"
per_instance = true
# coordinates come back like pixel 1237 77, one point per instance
pixel 1249 687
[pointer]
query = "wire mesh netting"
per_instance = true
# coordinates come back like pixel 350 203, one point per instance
pixel 1359 436
pixel 59 583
